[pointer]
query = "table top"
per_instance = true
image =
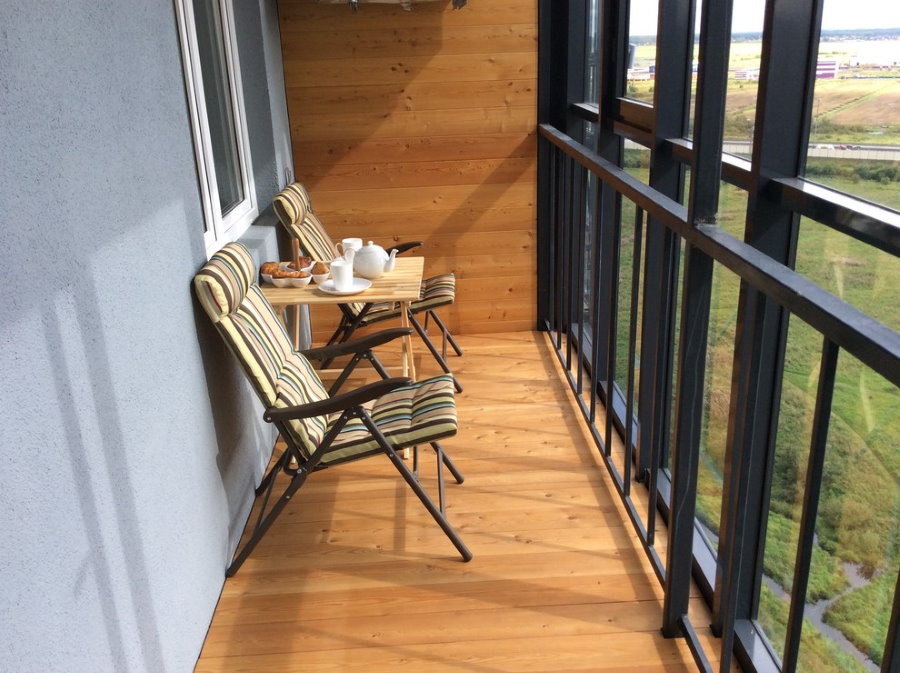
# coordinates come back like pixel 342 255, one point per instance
pixel 401 284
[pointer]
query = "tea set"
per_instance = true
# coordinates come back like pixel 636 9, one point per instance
pixel 351 272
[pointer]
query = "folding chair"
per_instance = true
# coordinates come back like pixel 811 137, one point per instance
pixel 294 210
pixel 320 429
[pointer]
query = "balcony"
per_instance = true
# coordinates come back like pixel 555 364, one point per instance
pixel 356 576
pixel 708 253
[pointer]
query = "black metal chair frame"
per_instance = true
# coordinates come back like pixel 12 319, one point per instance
pixel 350 405
pixel 350 322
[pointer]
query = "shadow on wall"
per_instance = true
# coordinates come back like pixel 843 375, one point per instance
pixel 93 467
pixel 244 440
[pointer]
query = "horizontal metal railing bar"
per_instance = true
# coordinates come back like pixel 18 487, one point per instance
pixel 589 112
pixel 868 222
pixel 875 344
pixel 640 136
pixel 666 210
pixel 637 112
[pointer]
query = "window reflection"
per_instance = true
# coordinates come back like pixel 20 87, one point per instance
pixel 642 49
pixel 855 118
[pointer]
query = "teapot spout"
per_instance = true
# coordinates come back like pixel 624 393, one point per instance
pixel 391 261
pixel 349 254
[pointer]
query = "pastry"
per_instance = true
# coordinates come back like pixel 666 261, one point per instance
pixel 319 268
pixel 303 263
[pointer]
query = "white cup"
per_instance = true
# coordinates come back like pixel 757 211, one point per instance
pixel 342 275
pixel 351 244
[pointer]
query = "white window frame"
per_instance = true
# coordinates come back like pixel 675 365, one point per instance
pixel 230 227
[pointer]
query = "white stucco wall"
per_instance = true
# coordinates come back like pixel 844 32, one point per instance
pixel 128 440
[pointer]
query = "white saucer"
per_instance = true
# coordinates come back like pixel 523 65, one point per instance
pixel 359 284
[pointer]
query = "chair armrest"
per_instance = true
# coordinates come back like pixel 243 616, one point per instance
pixel 403 247
pixel 357 345
pixel 341 402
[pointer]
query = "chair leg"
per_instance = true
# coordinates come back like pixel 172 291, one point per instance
pixel 264 522
pixel 440 479
pixel 445 331
pixel 448 463
pixel 413 483
pixel 437 356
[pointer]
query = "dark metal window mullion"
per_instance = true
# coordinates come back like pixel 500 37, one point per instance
pixel 814 472
pixel 789 53
pixel 568 264
pixel 560 228
pixel 610 279
pixel 551 155
pixel 630 411
pixel 597 268
pixel 712 78
pixel 672 93
pixel 578 293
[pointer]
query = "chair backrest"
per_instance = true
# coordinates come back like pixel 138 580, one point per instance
pixel 294 210
pixel 281 376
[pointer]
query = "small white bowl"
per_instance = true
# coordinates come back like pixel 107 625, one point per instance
pixel 299 282
pixel 282 282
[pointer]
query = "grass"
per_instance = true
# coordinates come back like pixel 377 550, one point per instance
pixel 826 578
pixel 860 498
pixel 818 654
pixel 864 615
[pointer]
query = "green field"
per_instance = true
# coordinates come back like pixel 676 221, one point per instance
pixel 860 497
pixel 856 526
pixel 861 106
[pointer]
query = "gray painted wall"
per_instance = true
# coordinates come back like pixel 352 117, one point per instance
pixel 129 443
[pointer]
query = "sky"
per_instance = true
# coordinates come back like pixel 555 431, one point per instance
pixel 748 15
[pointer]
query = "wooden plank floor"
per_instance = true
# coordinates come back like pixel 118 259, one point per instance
pixel 355 576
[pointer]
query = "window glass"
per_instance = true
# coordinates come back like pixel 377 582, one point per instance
pixel 642 49
pixel 218 98
pixel 858 273
pixel 627 239
pixel 221 145
pixel 855 126
pixel 716 400
pixel 855 555
pixel 743 75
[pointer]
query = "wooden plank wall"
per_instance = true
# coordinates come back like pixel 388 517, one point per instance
pixel 420 125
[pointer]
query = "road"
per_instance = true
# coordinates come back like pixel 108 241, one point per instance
pixel 827 150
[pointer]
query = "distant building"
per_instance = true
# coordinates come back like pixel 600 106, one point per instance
pixel 827 69
pixel 747 74
pixel 638 74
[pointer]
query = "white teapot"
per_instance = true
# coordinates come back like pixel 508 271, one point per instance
pixel 371 261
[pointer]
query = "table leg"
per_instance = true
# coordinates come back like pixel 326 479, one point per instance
pixel 295 325
pixel 409 364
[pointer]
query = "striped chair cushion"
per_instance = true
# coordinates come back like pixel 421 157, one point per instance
pixel 436 291
pixel 313 238
pixel 222 283
pixel 291 204
pixel 299 384
pixel 280 376
pixel 415 414
pixel 294 210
